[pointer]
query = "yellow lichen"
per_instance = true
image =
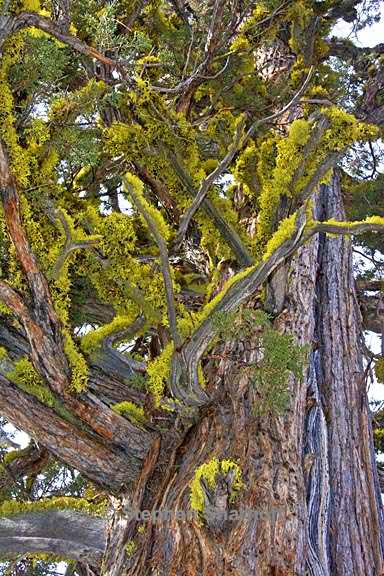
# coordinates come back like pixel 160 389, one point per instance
pixel 131 411
pixel 158 371
pixel 209 472
pixel 13 507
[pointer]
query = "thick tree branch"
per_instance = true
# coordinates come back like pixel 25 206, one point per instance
pixel 65 533
pixel 11 24
pixel 45 354
pixel 94 458
pixel 42 324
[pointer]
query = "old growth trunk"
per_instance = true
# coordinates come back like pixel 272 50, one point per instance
pixel 309 476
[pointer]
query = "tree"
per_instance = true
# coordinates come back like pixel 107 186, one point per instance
pixel 182 187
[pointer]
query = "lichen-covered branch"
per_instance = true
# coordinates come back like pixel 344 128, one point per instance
pixel 240 140
pixel 11 24
pixel 134 187
pixel 229 234
pixel 70 245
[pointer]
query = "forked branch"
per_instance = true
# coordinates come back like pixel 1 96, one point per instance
pixel 185 366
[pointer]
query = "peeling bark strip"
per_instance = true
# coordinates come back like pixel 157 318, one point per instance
pixel 64 532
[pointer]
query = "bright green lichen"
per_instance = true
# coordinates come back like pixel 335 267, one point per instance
pixel 14 454
pixel 132 181
pixel 131 411
pixel 158 371
pixel 209 308
pixel 25 377
pixel 355 223
pixel 284 232
pixel 130 548
pixel 77 362
pixel 19 160
pixel 209 471
pixel 31 5
pixel 13 507
pixel 91 342
pixel 276 182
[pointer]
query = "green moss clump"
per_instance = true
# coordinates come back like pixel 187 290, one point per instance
pixel 133 182
pixel 14 454
pixel 130 548
pixel 158 371
pixel 77 362
pixel 285 231
pixel 25 377
pixel 91 342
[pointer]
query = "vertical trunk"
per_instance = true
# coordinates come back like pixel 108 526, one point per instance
pixel 309 474
pixel 352 515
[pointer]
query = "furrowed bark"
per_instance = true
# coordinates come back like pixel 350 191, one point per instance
pixel 41 322
pixel 104 429
pixel 354 532
pixel 106 464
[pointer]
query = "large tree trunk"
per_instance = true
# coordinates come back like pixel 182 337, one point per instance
pixel 310 474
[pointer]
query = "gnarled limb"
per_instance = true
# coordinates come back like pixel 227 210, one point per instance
pixel 165 267
pixel 96 459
